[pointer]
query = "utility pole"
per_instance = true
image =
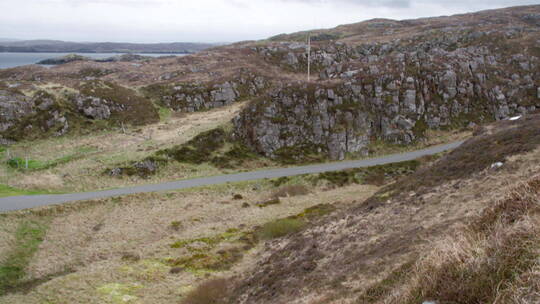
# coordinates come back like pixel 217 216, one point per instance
pixel 308 56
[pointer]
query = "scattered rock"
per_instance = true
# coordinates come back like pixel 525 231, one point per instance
pixel 496 166
pixel 176 270
pixel 130 256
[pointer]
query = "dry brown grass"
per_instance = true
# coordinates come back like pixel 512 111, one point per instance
pixel 359 249
pixel 492 260
pixel 94 241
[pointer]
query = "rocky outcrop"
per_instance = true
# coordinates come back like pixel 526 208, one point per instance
pixel 393 96
pixel 192 97
pixel 110 101
pixel 22 116
pixel 93 107
pixel 44 114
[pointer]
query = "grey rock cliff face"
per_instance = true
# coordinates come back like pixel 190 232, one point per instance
pixel 392 96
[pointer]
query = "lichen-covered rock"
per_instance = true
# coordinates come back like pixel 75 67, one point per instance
pixel 22 116
pixel 43 114
pixel 13 107
pixel 408 95
pixel 393 90
pixel 110 101
pixel 93 107
pixel 192 97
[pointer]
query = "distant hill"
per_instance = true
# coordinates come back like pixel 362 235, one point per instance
pixel 7 40
pixel 384 30
pixel 7 45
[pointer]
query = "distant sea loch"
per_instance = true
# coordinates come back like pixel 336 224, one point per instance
pixel 11 60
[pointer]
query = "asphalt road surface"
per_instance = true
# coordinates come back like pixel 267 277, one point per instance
pixel 29 201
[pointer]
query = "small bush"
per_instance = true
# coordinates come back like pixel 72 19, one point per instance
pixel 272 201
pixel 214 291
pixel 299 154
pixel 317 211
pixel 279 228
pixel 292 190
pixel 176 225
pixel 280 181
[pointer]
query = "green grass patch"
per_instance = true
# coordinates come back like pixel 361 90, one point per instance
pixel 28 236
pixel 24 164
pixel 6 191
pixel 204 256
pixel 280 228
pixel 317 211
pixel 164 113
pixel 209 241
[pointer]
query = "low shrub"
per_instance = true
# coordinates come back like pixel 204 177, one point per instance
pixel 214 291
pixel 291 190
pixel 272 201
pixel 279 228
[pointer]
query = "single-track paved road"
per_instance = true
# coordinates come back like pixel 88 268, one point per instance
pixel 29 201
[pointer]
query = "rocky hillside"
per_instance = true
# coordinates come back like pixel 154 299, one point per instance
pixel 446 77
pixel 376 80
pixel 55 112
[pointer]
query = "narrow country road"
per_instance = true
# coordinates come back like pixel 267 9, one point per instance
pixel 23 202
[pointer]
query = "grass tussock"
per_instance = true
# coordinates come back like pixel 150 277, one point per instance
pixel 214 291
pixel 280 228
pixel 28 236
pixel 215 253
pixel 290 190
pixel 489 261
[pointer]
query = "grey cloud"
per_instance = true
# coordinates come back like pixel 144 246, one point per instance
pixel 208 20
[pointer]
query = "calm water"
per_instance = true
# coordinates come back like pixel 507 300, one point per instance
pixel 10 60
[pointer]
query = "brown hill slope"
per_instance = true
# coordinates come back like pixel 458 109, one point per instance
pixel 348 255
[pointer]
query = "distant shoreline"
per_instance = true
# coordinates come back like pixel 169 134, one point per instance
pixel 100 52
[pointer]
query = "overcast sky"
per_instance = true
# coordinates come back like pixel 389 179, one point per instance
pixel 207 20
